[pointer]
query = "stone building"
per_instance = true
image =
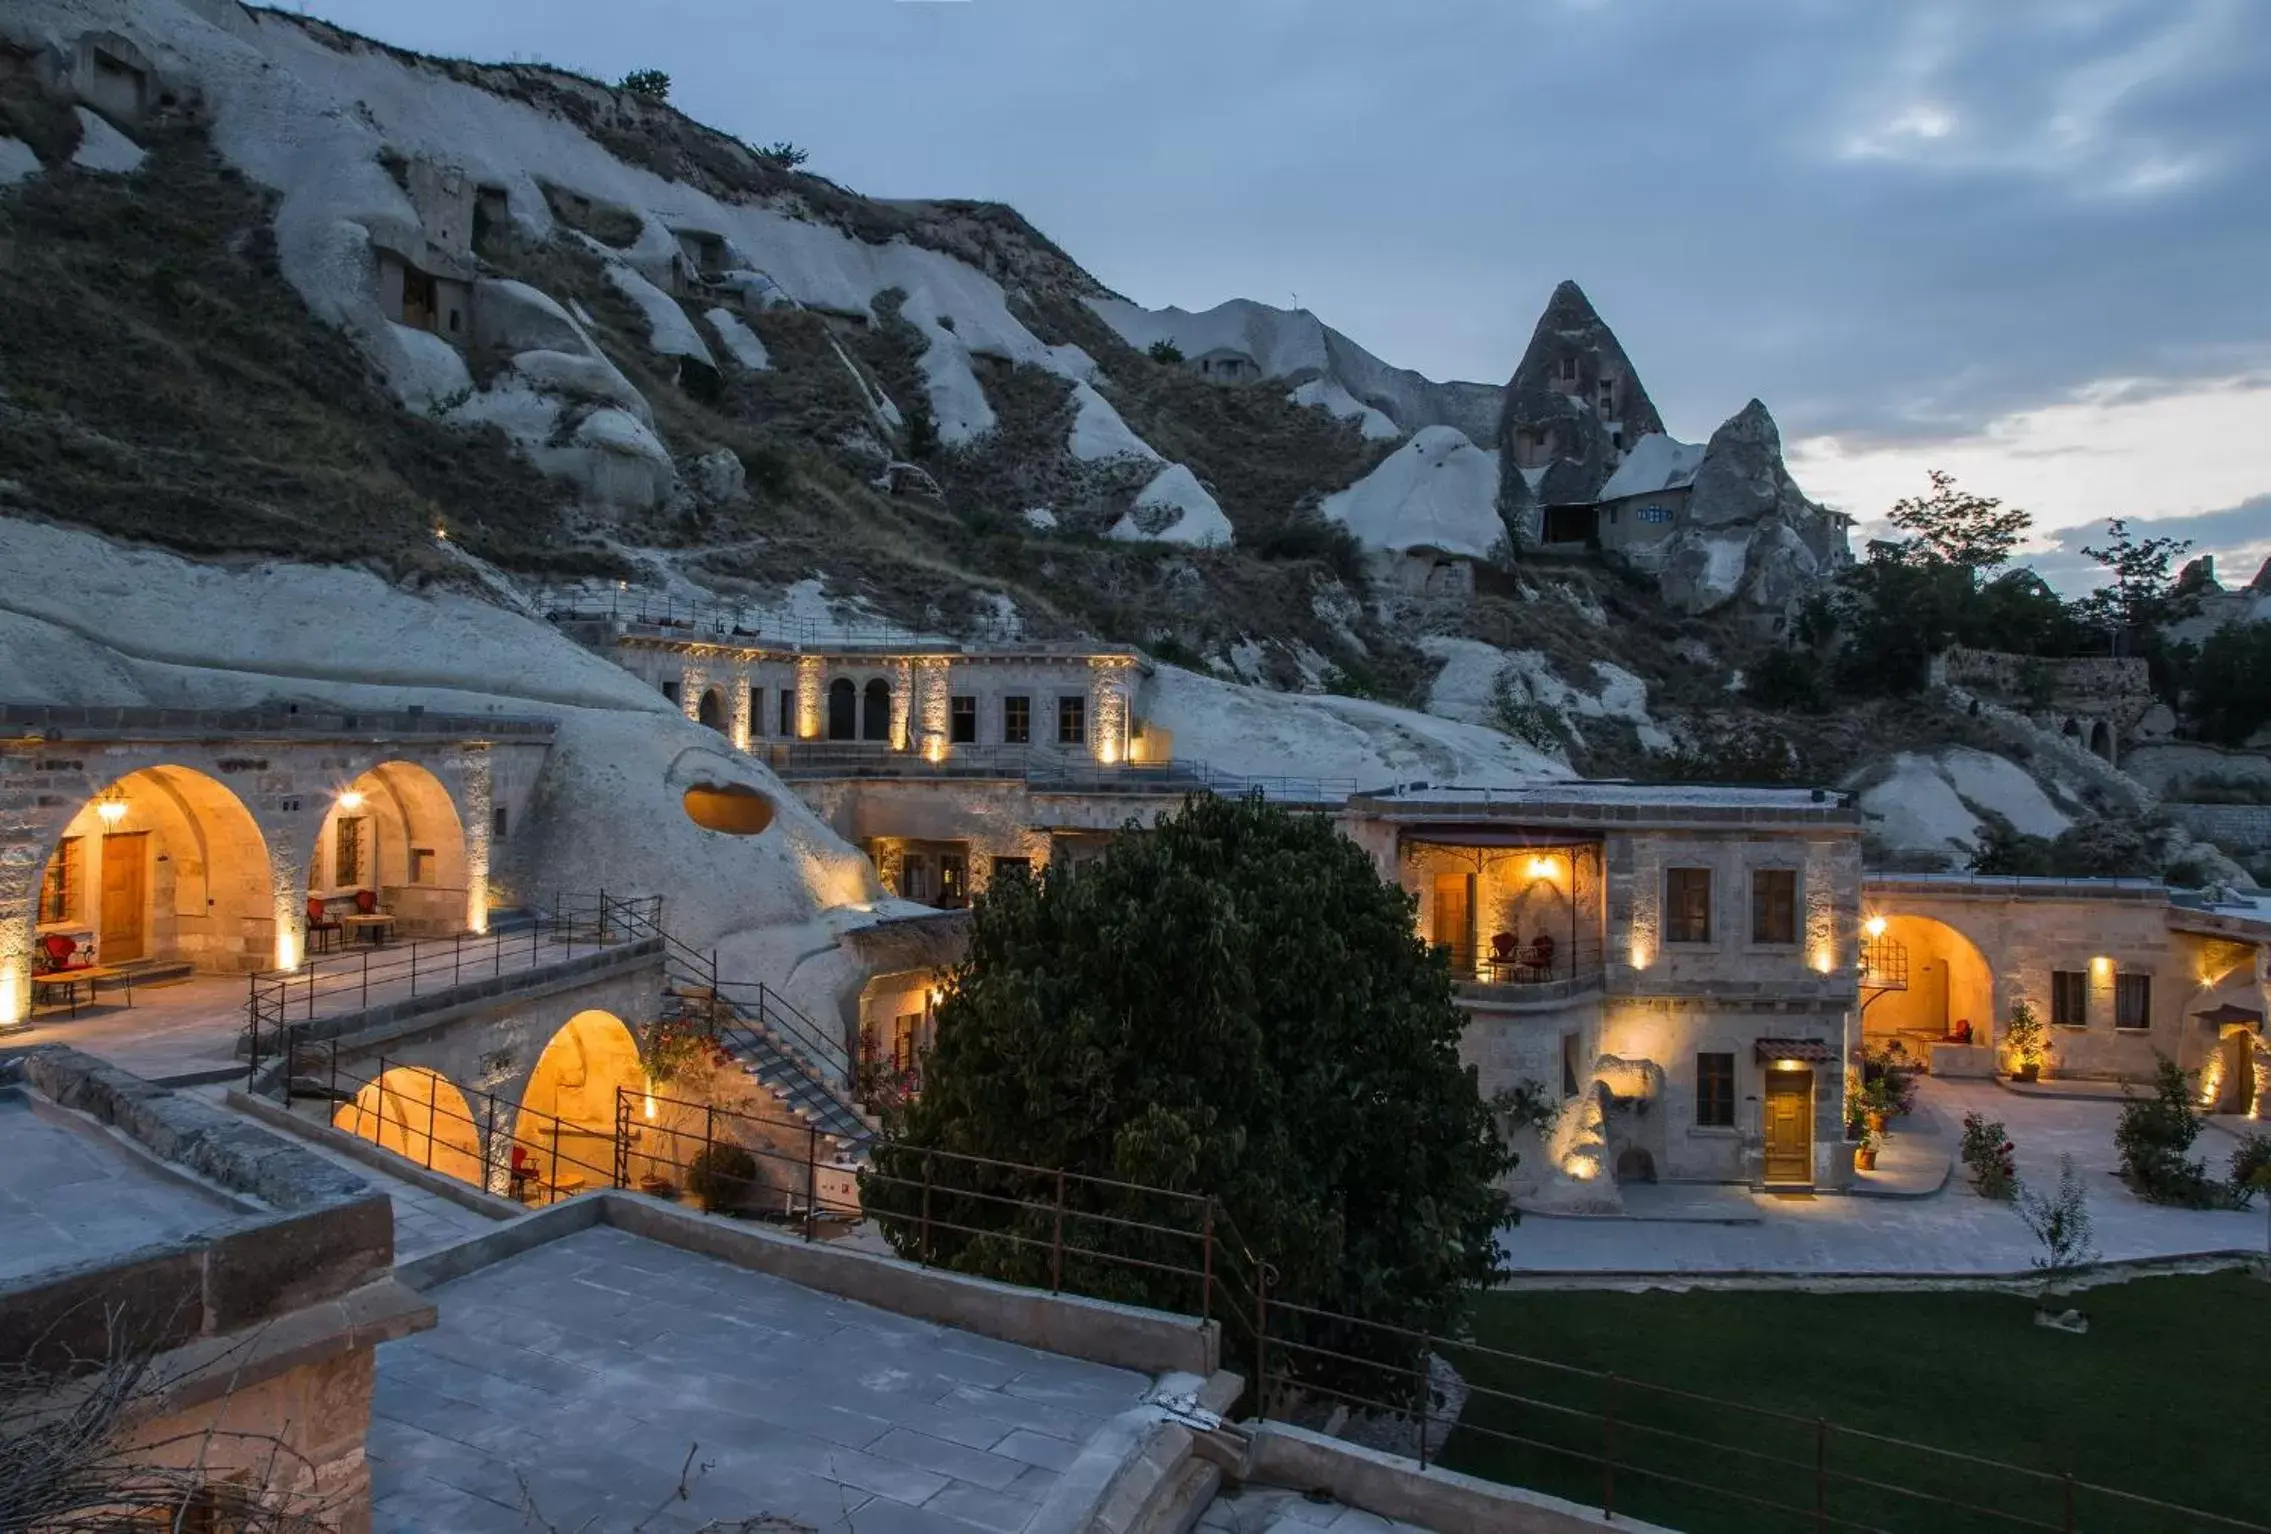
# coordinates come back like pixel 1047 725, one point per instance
pixel 1676 967
pixel 1225 364
pixel 2122 972
pixel 426 270
pixel 2101 703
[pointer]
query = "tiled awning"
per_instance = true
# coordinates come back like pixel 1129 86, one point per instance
pixel 2227 1016
pixel 1813 1051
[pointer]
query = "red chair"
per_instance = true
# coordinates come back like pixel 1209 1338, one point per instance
pixel 366 903
pixel 319 923
pixel 524 1172
pixel 61 952
pixel 1540 961
pixel 1503 952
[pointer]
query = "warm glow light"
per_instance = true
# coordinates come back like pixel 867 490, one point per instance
pixel 112 811
pixel 1541 868
pixel 10 1005
pixel 1789 1065
pixel 1580 1167
pixel 1639 955
pixel 1874 926
pixel 934 749
pixel 1824 960
pixel 650 1104
pixel 350 800
pixel 287 951
pixel 2101 965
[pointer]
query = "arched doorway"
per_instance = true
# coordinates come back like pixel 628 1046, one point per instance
pixel 711 710
pixel 164 867
pixel 565 1131
pixel 394 833
pixel 843 709
pixel 2101 740
pixel 419 1115
pixel 1949 982
pixel 875 711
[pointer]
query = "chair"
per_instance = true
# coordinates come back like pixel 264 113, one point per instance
pixel 60 952
pixel 524 1171
pixel 1503 954
pixel 319 923
pixel 366 903
pixel 1540 960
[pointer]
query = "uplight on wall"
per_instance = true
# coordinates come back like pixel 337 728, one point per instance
pixel 11 1007
pixel 111 807
pixel 1874 926
pixel 350 801
pixel 2101 966
pixel 1639 953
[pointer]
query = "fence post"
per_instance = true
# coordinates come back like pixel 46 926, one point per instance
pixel 366 981
pixel 457 960
pixel 1426 1350
pixel 2069 1523
pixel 1821 1472
pixel 924 1248
pixel 1057 1239
pixel 1206 1261
pixel 252 1025
pixel 1609 1451
pixel 288 1052
pixel 433 1106
pixel 811 1176
pixel 333 1083
pixel 489 1145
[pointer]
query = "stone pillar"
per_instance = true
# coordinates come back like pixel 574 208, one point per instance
pixel 743 727
pixel 1109 711
pixel 902 705
pixel 480 827
pixel 933 708
pixel 693 681
pixel 811 697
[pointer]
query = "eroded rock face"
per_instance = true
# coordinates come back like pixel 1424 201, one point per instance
pixel 1574 404
pixel 1749 532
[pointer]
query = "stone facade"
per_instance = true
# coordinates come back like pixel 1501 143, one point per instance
pixel 1760 973
pixel 2099 702
pixel 237 820
pixel 2139 969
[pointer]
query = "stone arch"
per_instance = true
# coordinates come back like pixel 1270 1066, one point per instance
pixel 875 710
pixel 163 864
pixel 1950 981
pixel 711 710
pixel 418 1114
pixel 843 709
pixel 409 849
pixel 2236 1077
pixel 565 1127
pixel 2101 740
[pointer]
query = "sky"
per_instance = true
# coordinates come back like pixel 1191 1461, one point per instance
pixel 2028 241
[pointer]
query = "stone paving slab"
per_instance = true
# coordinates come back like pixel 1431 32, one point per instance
pixel 70 1195
pixel 1951 1233
pixel 1276 1510
pixel 578 1375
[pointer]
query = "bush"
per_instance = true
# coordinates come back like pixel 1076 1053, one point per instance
pixel 1787 679
pixel 2251 1169
pixel 2154 1136
pixel 1987 1153
pixel 786 155
pixel 650 83
pixel 2025 1037
pixel 1165 352
pixel 722 1177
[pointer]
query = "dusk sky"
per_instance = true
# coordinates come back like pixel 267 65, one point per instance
pixel 2025 240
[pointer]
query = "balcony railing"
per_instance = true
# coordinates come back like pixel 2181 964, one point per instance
pixel 1041 768
pixel 1523 974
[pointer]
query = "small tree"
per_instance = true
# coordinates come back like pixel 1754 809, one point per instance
pixel 2230 683
pixel 650 83
pixel 1233 1003
pixel 2024 1037
pixel 2061 1226
pixel 1167 352
pixel 1976 533
pixel 1987 1153
pixel 2140 594
pixel 2154 1137
pixel 786 155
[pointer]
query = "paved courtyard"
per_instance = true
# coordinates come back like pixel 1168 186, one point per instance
pixel 577 1376
pixel 1953 1231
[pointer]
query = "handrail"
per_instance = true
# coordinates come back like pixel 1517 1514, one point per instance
pixel 734 621
pixel 1042 768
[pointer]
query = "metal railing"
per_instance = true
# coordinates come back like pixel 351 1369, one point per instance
pixel 1043 768
pixel 733 622
pixel 352 980
pixel 1630 1446
pixel 1567 966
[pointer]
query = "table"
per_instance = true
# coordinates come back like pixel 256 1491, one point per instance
pixel 378 926
pixel 92 975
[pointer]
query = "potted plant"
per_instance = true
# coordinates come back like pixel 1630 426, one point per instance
pixel 1865 1154
pixel 2060 1222
pixel 2027 1041
pixel 1879 1101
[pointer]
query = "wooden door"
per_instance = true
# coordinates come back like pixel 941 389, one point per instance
pixel 1790 1127
pixel 126 894
pixel 1454 916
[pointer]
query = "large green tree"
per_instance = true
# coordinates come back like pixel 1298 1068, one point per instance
pixel 1975 533
pixel 2231 683
pixel 1233 1003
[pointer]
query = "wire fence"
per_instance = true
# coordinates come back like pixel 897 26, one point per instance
pixel 756 625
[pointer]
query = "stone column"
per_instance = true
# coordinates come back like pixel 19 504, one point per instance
pixel 902 705
pixel 1108 712
pixel 811 700
pixel 933 708
pixel 480 827
pixel 738 704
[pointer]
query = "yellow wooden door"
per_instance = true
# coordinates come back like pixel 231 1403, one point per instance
pixel 1454 921
pixel 1790 1127
pixel 126 891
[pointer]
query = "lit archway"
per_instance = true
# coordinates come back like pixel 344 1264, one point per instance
pixel 164 866
pixel 565 1130
pixel 418 1115
pixel 1949 982
pixel 711 710
pixel 843 709
pixel 394 834
pixel 875 711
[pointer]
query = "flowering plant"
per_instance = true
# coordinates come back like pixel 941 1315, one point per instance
pixel 675 1046
pixel 1987 1152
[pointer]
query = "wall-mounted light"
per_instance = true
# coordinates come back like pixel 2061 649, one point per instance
pixel 350 801
pixel 111 807
pixel 1789 1065
pixel 1874 926
pixel 2101 966
pixel 1541 868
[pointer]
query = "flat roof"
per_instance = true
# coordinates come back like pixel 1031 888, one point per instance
pixel 1612 802
pixel 36 721
pixel 2015 886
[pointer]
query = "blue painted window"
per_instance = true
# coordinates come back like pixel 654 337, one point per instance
pixel 1655 514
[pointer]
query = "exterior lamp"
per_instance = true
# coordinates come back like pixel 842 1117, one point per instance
pixel 1541 868
pixel 1789 1065
pixel 1874 926
pixel 111 807
pixel 350 800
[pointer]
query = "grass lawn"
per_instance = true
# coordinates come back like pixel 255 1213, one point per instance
pixel 2165 1396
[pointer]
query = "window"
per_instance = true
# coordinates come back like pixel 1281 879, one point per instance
pixel 914 877
pixel 1016 721
pixel 1072 720
pixel 347 853
pixel 670 690
pixel 1569 369
pixel 59 887
pixel 1655 514
pixel 875 711
pixel 2133 1001
pixel 1715 1091
pixel 906 1028
pixel 1687 905
pixel 843 709
pixel 962 720
pixel 499 819
pixel 2069 998
pixel 953 880
pixel 421 865
pixel 787 720
pixel 756 715
pixel 1017 868
pixel 1774 905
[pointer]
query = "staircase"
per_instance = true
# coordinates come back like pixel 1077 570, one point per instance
pixel 788 1054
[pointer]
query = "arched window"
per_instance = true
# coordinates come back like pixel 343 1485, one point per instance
pixel 2101 739
pixel 843 709
pixel 875 715
pixel 711 710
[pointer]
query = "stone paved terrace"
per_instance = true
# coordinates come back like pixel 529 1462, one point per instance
pixel 578 1374
pixel 71 1194
pixel 1277 1510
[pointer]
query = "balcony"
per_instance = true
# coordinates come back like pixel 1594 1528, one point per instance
pixel 1522 981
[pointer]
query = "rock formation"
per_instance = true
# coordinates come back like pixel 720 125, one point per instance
pixel 1749 531
pixel 1572 408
